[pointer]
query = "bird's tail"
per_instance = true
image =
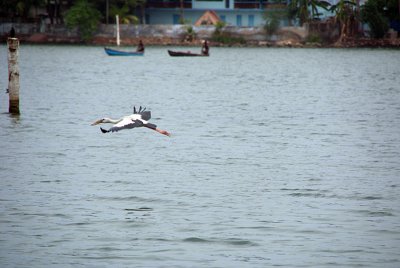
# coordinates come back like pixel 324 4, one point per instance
pixel 104 130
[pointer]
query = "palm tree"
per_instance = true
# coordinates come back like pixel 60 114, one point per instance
pixel 126 10
pixel 345 15
pixel 301 9
pixel 125 15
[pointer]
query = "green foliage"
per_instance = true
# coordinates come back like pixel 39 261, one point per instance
pixel 125 16
pixel 271 25
pixel 227 39
pixel 19 8
pixel 301 9
pixel 220 36
pixel 125 10
pixel 313 38
pixel 84 16
pixel 345 14
pixel 343 9
pixel 272 20
pixel 184 21
pixel 219 26
pixel 392 9
pixel 190 33
pixel 372 14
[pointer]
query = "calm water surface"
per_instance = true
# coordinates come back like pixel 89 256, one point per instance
pixel 279 157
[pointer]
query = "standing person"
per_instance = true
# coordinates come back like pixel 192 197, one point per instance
pixel 140 47
pixel 204 48
pixel 12 32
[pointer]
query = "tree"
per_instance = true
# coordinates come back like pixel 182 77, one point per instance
pixel 272 19
pixel 83 16
pixel 125 9
pixel 372 13
pixel 125 16
pixel 19 8
pixel 301 9
pixel 345 14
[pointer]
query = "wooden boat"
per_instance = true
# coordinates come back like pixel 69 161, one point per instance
pixel 114 52
pixel 185 54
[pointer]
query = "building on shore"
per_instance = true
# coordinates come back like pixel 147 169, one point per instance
pixel 241 13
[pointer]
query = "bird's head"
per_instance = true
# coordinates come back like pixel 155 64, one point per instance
pixel 100 121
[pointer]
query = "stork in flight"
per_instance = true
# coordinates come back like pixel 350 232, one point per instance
pixel 139 118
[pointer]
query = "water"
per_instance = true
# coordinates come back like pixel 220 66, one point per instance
pixel 279 157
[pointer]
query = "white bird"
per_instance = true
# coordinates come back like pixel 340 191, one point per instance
pixel 137 119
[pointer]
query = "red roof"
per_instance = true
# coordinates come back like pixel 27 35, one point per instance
pixel 208 18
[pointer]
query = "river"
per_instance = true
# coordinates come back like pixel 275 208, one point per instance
pixel 278 157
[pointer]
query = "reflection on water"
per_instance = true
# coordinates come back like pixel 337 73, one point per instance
pixel 286 157
pixel 14 119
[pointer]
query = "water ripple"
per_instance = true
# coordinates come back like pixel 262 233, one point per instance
pixel 279 157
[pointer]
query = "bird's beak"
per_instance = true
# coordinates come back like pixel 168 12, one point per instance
pixel 96 122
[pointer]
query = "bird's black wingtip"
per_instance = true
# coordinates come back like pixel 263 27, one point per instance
pixel 139 110
pixel 103 130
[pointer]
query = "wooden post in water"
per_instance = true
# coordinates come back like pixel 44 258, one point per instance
pixel 117 20
pixel 13 75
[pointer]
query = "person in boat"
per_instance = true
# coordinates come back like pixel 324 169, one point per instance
pixel 140 47
pixel 204 48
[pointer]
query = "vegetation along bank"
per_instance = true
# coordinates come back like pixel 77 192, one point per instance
pixel 296 23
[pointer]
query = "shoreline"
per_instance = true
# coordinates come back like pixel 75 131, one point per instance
pixel 42 38
pixel 179 35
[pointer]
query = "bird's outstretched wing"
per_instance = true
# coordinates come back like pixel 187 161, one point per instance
pixel 150 125
pixel 126 123
pixel 146 115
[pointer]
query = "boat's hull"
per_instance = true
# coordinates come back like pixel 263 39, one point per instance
pixel 185 54
pixel 114 52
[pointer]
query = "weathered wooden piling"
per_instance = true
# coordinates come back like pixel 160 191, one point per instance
pixel 117 22
pixel 13 75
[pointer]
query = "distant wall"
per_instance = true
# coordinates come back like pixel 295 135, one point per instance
pixel 106 33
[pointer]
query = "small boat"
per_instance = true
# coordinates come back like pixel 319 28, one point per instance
pixel 185 54
pixel 114 52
